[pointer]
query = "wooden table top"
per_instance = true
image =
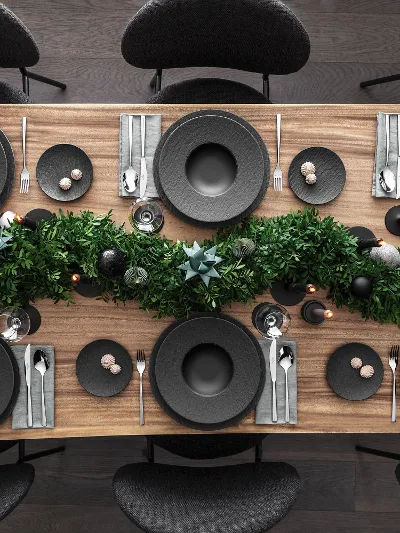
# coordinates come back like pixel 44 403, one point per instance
pixel 349 130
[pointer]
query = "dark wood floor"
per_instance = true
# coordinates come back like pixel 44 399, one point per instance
pixel 342 490
pixel 79 41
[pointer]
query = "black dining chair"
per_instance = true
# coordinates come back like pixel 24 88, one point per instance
pixel 15 482
pixel 379 81
pixel 380 453
pixel 18 50
pixel 261 36
pixel 161 498
pixel 22 456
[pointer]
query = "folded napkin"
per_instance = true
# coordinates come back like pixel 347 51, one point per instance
pixel 380 154
pixel 153 136
pixel 19 420
pixel 264 407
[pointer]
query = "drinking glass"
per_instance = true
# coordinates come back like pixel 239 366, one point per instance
pixel 271 320
pixel 14 324
pixel 146 215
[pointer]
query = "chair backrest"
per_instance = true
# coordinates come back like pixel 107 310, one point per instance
pixel 253 35
pixel 18 48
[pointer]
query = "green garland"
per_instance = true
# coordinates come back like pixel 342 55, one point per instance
pixel 299 246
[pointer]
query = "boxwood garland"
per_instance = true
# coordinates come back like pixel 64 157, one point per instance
pixel 298 246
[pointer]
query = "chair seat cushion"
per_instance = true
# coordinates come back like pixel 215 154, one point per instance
pixel 209 91
pixel 12 95
pixel 247 498
pixel 15 482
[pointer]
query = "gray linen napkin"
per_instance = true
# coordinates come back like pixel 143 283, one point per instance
pixel 380 154
pixel 19 419
pixel 153 136
pixel 264 407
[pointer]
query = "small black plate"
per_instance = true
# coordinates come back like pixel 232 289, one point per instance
pixel 330 172
pixel 6 189
pixel 9 381
pixel 98 380
pixel 345 380
pixel 56 163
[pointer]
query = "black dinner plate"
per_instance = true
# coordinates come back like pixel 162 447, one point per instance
pixel 211 168
pixel 7 187
pixel 3 168
pixel 345 380
pixel 56 163
pixel 9 381
pixel 207 372
pixel 98 380
pixel 330 172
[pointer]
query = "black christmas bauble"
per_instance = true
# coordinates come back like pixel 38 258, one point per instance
pixel 361 287
pixel 112 262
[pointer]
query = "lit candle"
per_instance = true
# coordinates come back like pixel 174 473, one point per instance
pixel 299 288
pixel 326 314
pixel 363 244
pixel 75 278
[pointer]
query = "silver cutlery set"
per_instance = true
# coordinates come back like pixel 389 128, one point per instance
pixel 278 177
pixel 286 359
pixel 24 181
pixel 41 364
pixel 387 179
pixel 140 366
pixel 393 362
pixel 130 177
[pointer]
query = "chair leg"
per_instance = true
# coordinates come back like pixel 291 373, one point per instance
pixel 42 79
pixel 379 453
pixel 259 452
pixel 150 450
pixel 22 458
pixel 155 82
pixel 25 81
pixel 378 81
pixel 266 86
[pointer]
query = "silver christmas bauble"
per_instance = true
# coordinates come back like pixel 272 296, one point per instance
pixel 243 248
pixel 387 253
pixel 135 276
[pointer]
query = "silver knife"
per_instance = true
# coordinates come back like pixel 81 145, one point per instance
pixel 28 383
pixel 143 168
pixel 272 368
pixel 398 159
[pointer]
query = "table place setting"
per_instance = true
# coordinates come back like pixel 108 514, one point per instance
pixel 386 177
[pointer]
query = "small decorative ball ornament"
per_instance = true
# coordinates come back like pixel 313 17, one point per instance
pixel 387 253
pixel 135 276
pixel 112 262
pixel 115 369
pixel 361 287
pixel 65 184
pixel 367 371
pixel 356 363
pixel 307 168
pixel 76 174
pixel 243 248
pixel 107 361
pixel 311 179
pixel 6 219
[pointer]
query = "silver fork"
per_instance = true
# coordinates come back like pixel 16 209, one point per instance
pixel 393 361
pixel 141 365
pixel 24 184
pixel 278 170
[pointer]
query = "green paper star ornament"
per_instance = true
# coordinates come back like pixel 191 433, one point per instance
pixel 201 263
pixel 3 240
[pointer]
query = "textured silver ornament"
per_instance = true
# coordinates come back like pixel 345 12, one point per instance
pixel 76 174
pixel 367 371
pixel 387 253
pixel 307 168
pixel 135 276
pixel 243 248
pixel 311 179
pixel 65 184
pixel 356 362
pixel 115 369
pixel 107 361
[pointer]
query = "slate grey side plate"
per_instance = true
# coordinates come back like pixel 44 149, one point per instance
pixel 234 135
pixel 174 392
pixel 56 163
pixel 98 380
pixel 345 380
pixel 6 189
pixel 330 171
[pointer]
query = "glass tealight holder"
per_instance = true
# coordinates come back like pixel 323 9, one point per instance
pixel 146 215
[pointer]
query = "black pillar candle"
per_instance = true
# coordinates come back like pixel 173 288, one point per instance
pixel 302 288
pixel 364 244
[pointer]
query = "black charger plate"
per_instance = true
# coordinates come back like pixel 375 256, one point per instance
pixel 211 168
pixel 345 380
pixel 6 189
pixel 3 168
pixel 207 402
pixel 56 163
pixel 330 171
pixel 98 380
pixel 9 381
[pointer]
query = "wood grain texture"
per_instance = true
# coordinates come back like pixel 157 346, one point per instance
pixel 348 130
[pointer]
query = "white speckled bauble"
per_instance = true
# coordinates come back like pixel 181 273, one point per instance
pixel 387 253
pixel 76 174
pixel 6 219
pixel 311 179
pixel 367 371
pixel 115 369
pixel 107 361
pixel 307 168
pixel 65 184
pixel 356 362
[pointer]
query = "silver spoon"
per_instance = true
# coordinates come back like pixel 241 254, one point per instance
pixel 386 177
pixel 42 364
pixel 130 176
pixel 286 359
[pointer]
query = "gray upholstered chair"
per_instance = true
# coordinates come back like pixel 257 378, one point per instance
pixel 261 36
pixel 381 453
pixel 18 50
pixel 15 482
pixel 180 499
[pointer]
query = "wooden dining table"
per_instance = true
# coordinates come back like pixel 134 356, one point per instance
pixel 349 130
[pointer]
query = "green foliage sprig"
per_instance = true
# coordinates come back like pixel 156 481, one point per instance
pixel 298 247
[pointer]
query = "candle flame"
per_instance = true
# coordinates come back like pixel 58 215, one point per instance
pixel 19 219
pixel 328 315
pixel 75 278
pixel 380 242
pixel 311 289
